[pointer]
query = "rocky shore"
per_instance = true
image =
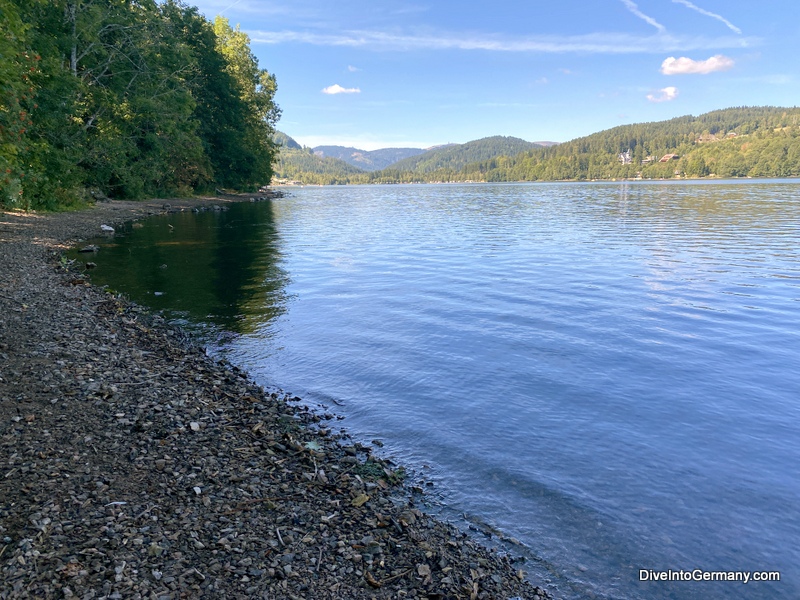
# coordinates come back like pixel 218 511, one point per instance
pixel 134 466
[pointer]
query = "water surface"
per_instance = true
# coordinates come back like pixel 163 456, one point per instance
pixel 606 372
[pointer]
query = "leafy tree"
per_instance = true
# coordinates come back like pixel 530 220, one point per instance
pixel 17 95
pixel 128 97
pixel 246 146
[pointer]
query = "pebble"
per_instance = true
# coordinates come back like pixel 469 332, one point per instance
pixel 160 472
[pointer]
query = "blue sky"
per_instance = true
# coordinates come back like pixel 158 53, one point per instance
pixel 388 73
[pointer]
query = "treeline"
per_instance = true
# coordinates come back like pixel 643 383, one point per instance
pixel 455 157
pixel 734 142
pixel 444 161
pixel 301 164
pixel 129 99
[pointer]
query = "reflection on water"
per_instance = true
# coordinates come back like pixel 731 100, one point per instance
pixel 606 372
pixel 217 268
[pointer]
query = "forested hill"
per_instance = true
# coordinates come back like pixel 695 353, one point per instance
pixel 457 156
pixel 127 99
pixel 310 165
pixel 283 140
pixel 734 142
pixel 296 163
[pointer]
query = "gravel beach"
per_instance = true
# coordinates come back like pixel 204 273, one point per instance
pixel 132 465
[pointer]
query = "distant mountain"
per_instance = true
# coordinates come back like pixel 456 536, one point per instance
pixel 744 141
pixel 369 160
pixel 457 156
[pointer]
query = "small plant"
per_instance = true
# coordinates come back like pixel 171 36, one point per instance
pixel 372 470
pixel 64 262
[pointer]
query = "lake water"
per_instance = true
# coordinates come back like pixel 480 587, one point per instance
pixel 609 373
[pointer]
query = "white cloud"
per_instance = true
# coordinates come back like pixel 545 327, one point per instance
pixel 684 66
pixel 634 9
pixel 702 11
pixel 352 69
pixel 664 95
pixel 337 89
pixel 542 81
pixel 596 43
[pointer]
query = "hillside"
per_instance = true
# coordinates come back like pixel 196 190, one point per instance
pixel 304 166
pixel 281 139
pixel 312 165
pixel 368 160
pixel 733 142
pixel 456 156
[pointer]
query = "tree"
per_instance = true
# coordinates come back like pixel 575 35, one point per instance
pixel 16 101
pixel 244 140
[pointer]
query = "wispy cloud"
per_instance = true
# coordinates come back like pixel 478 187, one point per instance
pixel 337 89
pixel 410 9
pixel 595 43
pixel 634 9
pixel 664 95
pixel 707 13
pixel 352 69
pixel 686 66
pixel 214 7
pixel 775 79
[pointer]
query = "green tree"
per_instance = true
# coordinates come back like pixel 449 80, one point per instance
pixel 244 140
pixel 17 94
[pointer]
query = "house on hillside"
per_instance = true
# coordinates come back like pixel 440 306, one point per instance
pixel 668 157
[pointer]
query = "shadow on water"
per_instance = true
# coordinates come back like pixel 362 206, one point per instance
pixel 216 272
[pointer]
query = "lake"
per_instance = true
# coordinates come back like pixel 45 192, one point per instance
pixel 607 372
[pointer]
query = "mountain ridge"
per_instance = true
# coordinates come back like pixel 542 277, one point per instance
pixel 368 160
pixel 744 141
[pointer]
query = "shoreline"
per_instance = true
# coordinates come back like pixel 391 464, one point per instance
pixel 133 465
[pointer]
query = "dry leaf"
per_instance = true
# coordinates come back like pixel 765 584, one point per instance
pixel 360 500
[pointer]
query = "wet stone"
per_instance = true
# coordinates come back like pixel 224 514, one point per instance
pixel 159 472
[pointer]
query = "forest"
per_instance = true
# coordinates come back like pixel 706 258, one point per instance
pixel 128 99
pixel 733 142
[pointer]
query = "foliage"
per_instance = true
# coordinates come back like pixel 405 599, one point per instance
pixel 303 165
pixel 734 142
pixel 281 139
pixel 128 98
pixel 16 100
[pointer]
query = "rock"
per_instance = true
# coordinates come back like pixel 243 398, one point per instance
pixel 149 462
